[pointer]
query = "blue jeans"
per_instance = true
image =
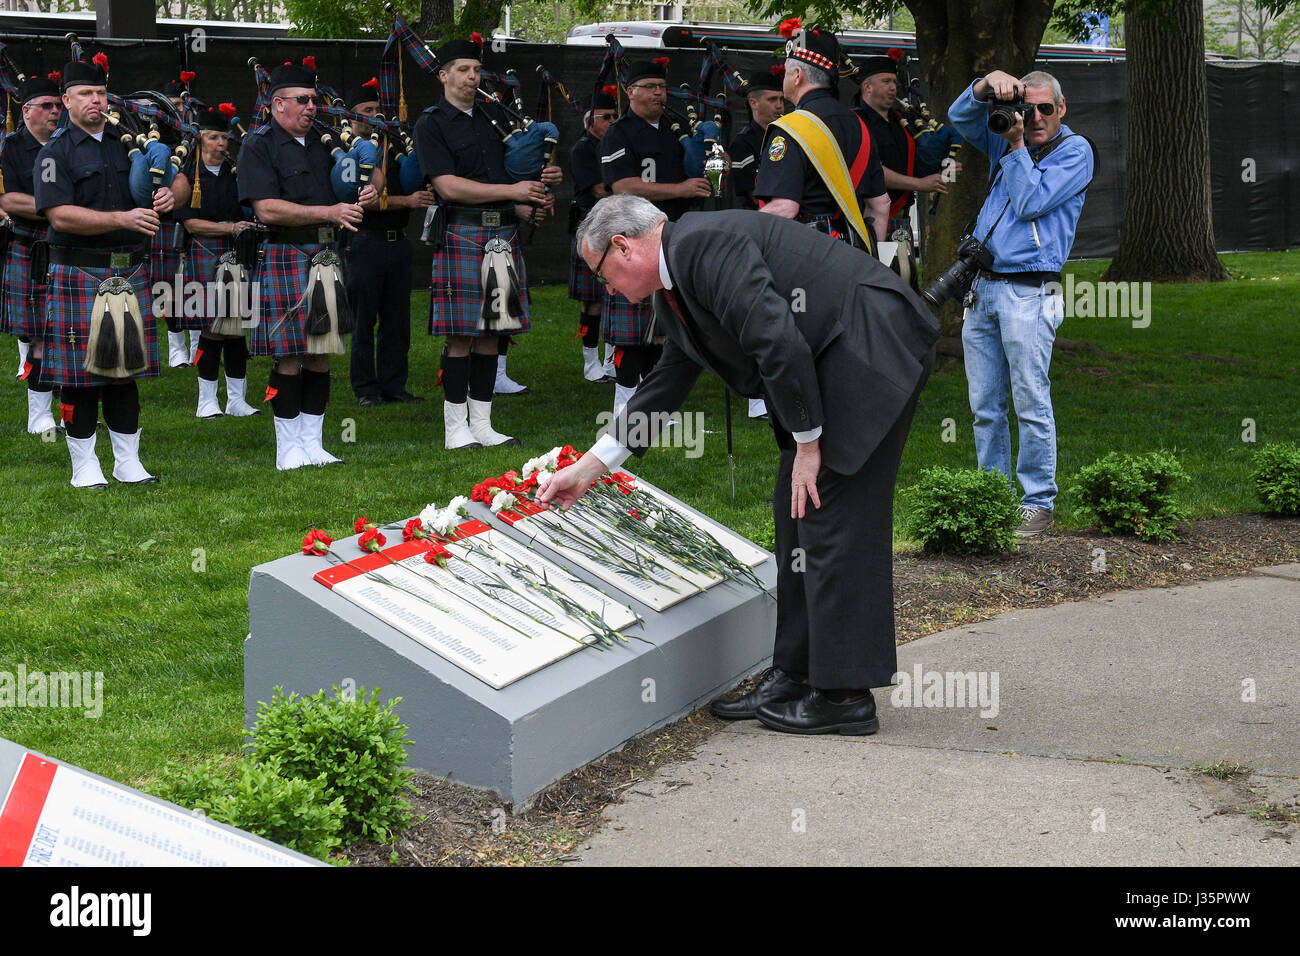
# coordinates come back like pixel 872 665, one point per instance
pixel 1007 336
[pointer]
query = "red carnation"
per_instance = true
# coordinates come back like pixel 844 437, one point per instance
pixel 362 524
pixel 476 38
pixel 371 540
pixel 610 90
pixel 100 60
pixel 227 110
pixel 661 61
pixel 778 70
pixel 896 54
pixel 309 62
pixel 316 542
pixel 371 84
pixel 788 27
pixel 288 62
pixel 187 76
pixel 437 555
pixel 56 76
pixel 413 529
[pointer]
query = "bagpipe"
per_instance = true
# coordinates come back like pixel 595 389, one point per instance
pixel 10 79
pixel 703 154
pixel 936 143
pixel 528 142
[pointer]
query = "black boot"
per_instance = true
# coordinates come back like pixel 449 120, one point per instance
pixel 816 713
pixel 774 687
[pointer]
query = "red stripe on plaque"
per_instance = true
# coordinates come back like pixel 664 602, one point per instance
pixel 471 528
pixel 338 573
pixel 23 809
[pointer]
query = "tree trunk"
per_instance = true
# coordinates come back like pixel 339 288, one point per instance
pixel 1167 234
pixel 957 41
pixel 436 16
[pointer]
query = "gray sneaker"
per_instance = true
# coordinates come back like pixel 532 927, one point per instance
pixel 1036 521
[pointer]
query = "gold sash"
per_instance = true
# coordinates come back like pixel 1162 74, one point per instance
pixel 823 151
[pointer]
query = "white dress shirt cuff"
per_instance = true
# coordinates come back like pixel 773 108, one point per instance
pixel 802 438
pixel 611 451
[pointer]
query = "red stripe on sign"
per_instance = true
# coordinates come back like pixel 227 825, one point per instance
pixel 338 573
pixel 471 528
pixel 22 810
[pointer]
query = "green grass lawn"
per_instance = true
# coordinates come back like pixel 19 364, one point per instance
pixel 149 585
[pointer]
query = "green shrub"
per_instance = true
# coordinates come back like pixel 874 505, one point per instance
pixel 255 797
pixel 355 743
pixel 1130 494
pixel 1276 470
pixel 963 511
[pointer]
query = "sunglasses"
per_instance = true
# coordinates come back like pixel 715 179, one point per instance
pixel 44 106
pixel 1047 109
pixel 302 99
pixel 596 271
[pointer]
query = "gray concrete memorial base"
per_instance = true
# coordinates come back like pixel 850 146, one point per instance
pixel 516 740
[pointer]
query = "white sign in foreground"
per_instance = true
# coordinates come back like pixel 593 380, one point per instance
pixel 59 816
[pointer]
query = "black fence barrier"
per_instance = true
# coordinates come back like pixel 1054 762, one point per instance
pixel 1254 133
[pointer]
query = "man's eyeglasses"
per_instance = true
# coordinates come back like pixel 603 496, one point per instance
pixel 596 271
pixel 1047 109
pixel 650 87
pixel 302 99
pixel 53 105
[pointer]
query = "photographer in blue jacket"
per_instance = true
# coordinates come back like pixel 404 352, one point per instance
pixel 1039 172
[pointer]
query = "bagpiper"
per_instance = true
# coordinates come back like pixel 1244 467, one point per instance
pixel 22 299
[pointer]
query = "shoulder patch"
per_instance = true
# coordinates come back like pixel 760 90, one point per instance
pixel 776 149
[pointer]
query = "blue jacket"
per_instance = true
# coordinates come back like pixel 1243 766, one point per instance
pixel 1037 230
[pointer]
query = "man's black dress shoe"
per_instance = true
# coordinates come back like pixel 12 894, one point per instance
pixel 404 397
pixel 815 713
pixel 369 401
pixel 775 686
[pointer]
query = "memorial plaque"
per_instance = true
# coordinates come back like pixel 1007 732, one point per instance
pixel 546 717
pixel 497 629
pixel 56 815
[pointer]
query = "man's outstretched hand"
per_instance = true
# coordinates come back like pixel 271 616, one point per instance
pixel 569 484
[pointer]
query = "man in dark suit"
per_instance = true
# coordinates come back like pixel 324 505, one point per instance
pixel 840 347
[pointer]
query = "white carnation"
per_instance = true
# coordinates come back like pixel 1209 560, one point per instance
pixel 459 506
pixel 429 515
pixel 503 500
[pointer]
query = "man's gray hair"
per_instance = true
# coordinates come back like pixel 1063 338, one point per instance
pixel 1042 80
pixel 814 75
pixel 619 215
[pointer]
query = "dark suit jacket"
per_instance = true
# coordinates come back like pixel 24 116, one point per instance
pixel 823 331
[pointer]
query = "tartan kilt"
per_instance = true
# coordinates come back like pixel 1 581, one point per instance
pixel 69 302
pixel 163 263
pixel 583 284
pixel 279 283
pixel 623 323
pixel 456 286
pixel 17 314
pixel 200 267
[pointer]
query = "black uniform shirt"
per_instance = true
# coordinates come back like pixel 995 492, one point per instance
pixel 888 141
pixel 450 142
pixel 390 218
pixel 631 147
pixel 745 150
pixel 584 171
pixel 273 165
pixel 218 197
pixel 20 149
pixel 88 173
pixel 786 173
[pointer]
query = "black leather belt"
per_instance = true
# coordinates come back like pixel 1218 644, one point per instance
pixel 303 235
pixel 1021 278
pixel 478 216
pixel 118 260
pixel 387 235
pixel 24 239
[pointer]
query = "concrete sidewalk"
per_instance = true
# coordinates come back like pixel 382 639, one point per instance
pixel 1086 754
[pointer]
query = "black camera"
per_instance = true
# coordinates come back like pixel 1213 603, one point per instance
pixel 1003 113
pixel 972 256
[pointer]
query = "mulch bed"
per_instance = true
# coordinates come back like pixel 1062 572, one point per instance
pixel 463 826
